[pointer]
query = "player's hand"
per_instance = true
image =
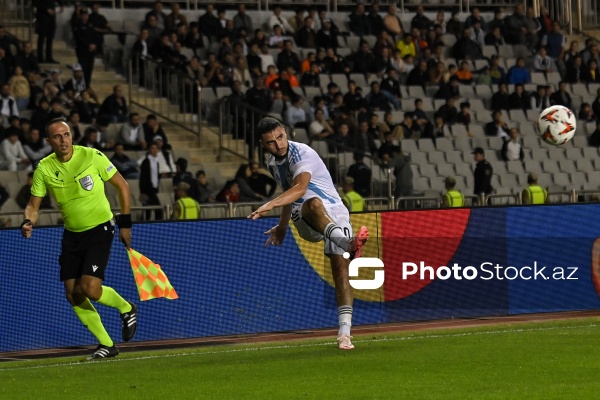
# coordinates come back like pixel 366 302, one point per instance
pixel 27 230
pixel 125 236
pixel 265 208
pixel 277 234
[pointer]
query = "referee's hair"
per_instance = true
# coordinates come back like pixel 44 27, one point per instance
pixel 51 122
pixel 267 125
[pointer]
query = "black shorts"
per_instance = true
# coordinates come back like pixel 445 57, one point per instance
pixel 86 253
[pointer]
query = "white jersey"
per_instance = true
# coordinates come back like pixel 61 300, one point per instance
pixel 302 158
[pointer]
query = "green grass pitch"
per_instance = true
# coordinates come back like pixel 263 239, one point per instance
pixel 549 360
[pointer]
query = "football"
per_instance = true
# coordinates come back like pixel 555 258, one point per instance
pixel 557 125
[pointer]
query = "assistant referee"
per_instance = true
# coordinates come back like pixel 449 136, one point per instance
pixel 75 176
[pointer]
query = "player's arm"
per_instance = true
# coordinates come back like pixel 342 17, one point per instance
pixel 30 215
pixel 124 220
pixel 299 186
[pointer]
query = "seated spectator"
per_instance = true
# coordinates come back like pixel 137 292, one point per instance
pixel 91 138
pixel 320 127
pixel 419 76
pixel 448 111
pixel 542 62
pixel 450 89
pixel 353 99
pixel 40 115
pixel 241 73
pixel 35 147
pixel 152 128
pixel 12 155
pixel 14 125
pixel 555 41
pixel 465 48
pixel 19 89
pixel 391 85
pixel 439 128
pixel 377 130
pixel 575 70
pixel 88 110
pixel 182 175
pixel 591 74
pixel 365 138
pixel 326 36
pixel 363 60
pixel 454 26
pixel 497 73
pixel 497 127
pixel 295 115
pixel 406 46
pixel 478 34
pixel 26 60
pixel 261 183
pixel 501 99
pixel 494 37
pixel 311 77
pixel 594 139
pixel 125 165
pixel 512 149
pixel 406 130
pixel 362 174
pixel 25 194
pixel 279 105
pixel 464 74
pixel 204 192
pixel 131 135
pixel 586 113
pixel 596 104
pixel 56 110
pixel 464 116
pixel 343 139
pixel 8 104
pixel 78 83
pixel 538 100
pixel 230 192
pixel 378 100
pixel 562 97
pixel 484 78
pixel 518 99
pixel 115 107
pixel 519 73
pixel 392 24
pixel 534 193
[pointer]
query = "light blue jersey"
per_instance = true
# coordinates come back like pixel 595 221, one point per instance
pixel 302 158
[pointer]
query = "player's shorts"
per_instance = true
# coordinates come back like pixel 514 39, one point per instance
pixel 338 214
pixel 86 253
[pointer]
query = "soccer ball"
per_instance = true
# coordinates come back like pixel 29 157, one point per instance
pixel 557 125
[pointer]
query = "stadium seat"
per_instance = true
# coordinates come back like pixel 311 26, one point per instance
pixel 436 157
pixel 428 170
pixel 421 183
pixel 539 154
pixel 509 181
pixel 489 51
pixel 409 146
pixel 426 145
pixel 515 167
pixel 533 166
pixel 562 179
pixel 580 141
pixel 445 169
pixel 360 80
pixel 584 165
pixel 444 144
pixel 301 136
pixel 341 81
pixel 578 180
pixel 579 89
pixel 416 92
pixel 463 169
pixel 506 51
pixel 452 156
pixel 463 144
pixel 550 166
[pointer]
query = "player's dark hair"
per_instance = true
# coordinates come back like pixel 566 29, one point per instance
pixel 52 122
pixel 267 125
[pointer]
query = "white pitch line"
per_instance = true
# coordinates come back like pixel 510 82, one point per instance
pixel 262 348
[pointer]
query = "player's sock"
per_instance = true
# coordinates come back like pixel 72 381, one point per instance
pixel 334 233
pixel 345 320
pixel 111 298
pixel 89 317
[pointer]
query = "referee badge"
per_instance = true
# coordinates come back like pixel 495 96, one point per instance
pixel 87 182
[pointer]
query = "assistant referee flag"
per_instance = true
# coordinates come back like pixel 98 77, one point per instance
pixel 150 279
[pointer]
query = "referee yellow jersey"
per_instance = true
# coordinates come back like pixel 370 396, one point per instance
pixel 78 186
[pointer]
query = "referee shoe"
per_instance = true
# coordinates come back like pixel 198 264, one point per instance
pixel 129 322
pixel 103 351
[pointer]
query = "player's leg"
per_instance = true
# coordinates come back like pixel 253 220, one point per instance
pixel 99 242
pixel 316 216
pixel 343 298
